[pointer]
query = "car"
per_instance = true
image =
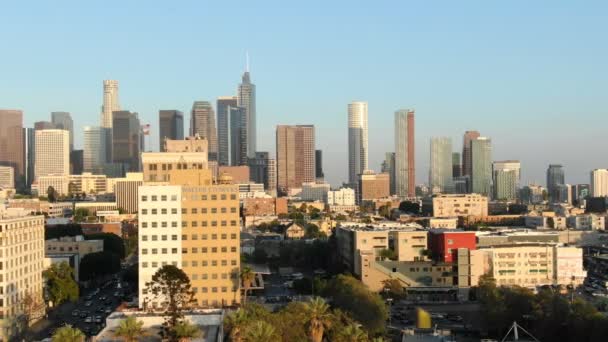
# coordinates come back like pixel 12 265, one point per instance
pixel 454 318
pixel 117 294
pixel 88 303
pixel 89 319
pixel 83 314
pixel 103 298
pixel 75 313
pixel 97 319
pixel 108 311
pixel 100 309
pixel 437 315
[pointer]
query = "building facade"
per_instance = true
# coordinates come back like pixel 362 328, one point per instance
pixel 341 197
pixel 94 149
pixel 202 123
pixel 7 177
pixel 170 125
pixel 224 106
pixel 110 102
pixel 441 169
pixel 63 120
pixel 12 142
pixel 312 191
pixel 126 140
pixel 467 160
pixel 405 162
pixel 374 186
pixel 599 182
pixel 295 156
pixel 505 179
pixel 481 171
pixel 460 205
pixel 263 169
pixel 357 140
pixel 246 100
pixel 52 152
pixel 555 179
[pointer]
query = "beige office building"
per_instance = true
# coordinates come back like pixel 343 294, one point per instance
pixel 88 183
pixel 460 205
pixel 60 183
pixel 295 156
pixel 7 177
pixel 73 244
pixel 158 165
pixel 21 258
pixel 126 190
pixel 190 144
pixel 52 152
pixel 374 185
pixel 193 224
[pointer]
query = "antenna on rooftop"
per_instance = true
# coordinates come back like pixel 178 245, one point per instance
pixel 246 61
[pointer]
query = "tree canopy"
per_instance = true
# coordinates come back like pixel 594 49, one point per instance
pixel 409 207
pixel 59 231
pixel 60 283
pixel 111 243
pixel 98 264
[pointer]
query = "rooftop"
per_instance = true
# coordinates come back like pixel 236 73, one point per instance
pixel 380 226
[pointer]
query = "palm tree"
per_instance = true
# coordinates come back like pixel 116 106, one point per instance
pixel 318 318
pixel 260 331
pixel 352 333
pixel 68 334
pixel 378 339
pixel 247 278
pixel 235 323
pixel 185 331
pixel 130 329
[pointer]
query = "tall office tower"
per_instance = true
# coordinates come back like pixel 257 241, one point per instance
pixel 94 149
pixel 76 162
pixel 295 156
pixel 39 125
pixel 555 178
pixel 190 153
pixel 599 183
pixel 580 192
pixel 262 170
pixel 202 122
pixel 126 140
pixel 532 194
pixel 29 150
pixel 199 225
pixel 7 177
pixel 319 174
pixel 481 166
pixel 12 152
pixel 246 100
pixel 440 172
pixel 388 166
pixel 52 153
pixel 357 140
pixel 110 102
pixel 467 166
pixel 224 105
pixel 171 126
pixel 238 136
pixel 63 120
pixel 22 259
pixel 405 162
pixel 456 165
pixel 505 178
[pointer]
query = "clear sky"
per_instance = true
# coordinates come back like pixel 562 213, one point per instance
pixel 532 75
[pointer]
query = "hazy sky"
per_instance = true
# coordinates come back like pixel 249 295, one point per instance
pixel 532 75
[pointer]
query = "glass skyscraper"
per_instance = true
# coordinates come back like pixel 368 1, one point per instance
pixel 481 162
pixel 440 172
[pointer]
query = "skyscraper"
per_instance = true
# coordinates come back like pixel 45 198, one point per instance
pixel 466 152
pixel 295 156
pixel 246 99
pixel 319 174
pixel 63 120
pixel 555 179
pixel 599 183
pixel 224 104
pixel 238 136
pixel 388 166
pixel 39 125
pixel 110 102
pixel 29 145
pixel 52 153
pixel 405 164
pixel 456 165
pixel 505 179
pixel 202 122
pixel 263 170
pixel 481 166
pixel 357 140
pixel 440 172
pixel 171 126
pixel 126 140
pixel 94 149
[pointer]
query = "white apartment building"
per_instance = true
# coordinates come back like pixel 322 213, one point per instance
pixel 52 152
pixel 460 205
pixel 344 196
pixel 21 263
pixel 586 222
pixel 89 183
pixel 312 192
pixel 7 177
pixel 59 182
pixel 599 183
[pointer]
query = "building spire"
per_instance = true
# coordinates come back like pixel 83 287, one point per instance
pixel 246 61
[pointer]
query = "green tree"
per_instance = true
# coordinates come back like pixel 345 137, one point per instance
pixel 68 334
pixel 186 331
pixel 60 283
pixel 393 288
pixel 111 243
pixel 130 329
pixel 352 333
pixel 261 331
pixel 171 285
pixel 51 194
pixel 99 264
pixel 409 207
pixel 247 278
pixel 388 253
pixel 63 230
pixel 81 214
pixel 385 211
pixel 234 325
pixel 318 318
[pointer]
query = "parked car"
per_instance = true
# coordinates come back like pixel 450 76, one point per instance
pixel 89 319
pixel 75 313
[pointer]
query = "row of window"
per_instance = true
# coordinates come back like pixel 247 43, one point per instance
pixel 163 198
pixel 193 224
pixel 154 198
pixel 193 263
pixel 165 211
pixel 185 237
pixel 194 250
pixel 214 289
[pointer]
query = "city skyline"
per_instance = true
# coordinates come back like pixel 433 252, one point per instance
pixel 494 103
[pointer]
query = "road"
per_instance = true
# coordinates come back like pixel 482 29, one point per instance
pixel 92 305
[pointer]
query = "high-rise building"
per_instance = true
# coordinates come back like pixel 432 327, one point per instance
pixel 29 146
pixel 357 141
pixel 373 186
pixel 599 183
pixel 171 126
pixel 456 165
pixel 262 170
pixel 295 156
pixel 202 123
pixel 319 174
pixel 505 179
pixel 580 192
pixel 76 162
pixel 7 177
pixel 52 153
pixel 40 125
pixel 126 140
pixel 388 166
pixel 224 104
pixel 555 178
pixel 532 194
pixel 21 257
pixel 246 100
pixel 12 152
pixel 467 166
pixel 94 149
pixel 187 154
pixel 405 161
pixel 238 136
pixel 199 223
pixel 110 102
pixel 126 190
pixel 481 162
pixel 63 120
pixel 440 172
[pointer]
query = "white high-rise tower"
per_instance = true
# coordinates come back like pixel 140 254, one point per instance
pixel 357 140
pixel 110 102
pixel 246 100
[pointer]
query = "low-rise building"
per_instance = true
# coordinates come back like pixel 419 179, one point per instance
pixel 588 221
pixel 7 177
pixel 460 205
pixel 314 191
pixel 342 197
pixel 444 243
pixel 443 222
pixel 73 244
pixel 374 186
pixel 239 174
pixel 88 183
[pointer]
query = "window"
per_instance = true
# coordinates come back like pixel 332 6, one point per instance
pixel 224 223
pixel 233 197
pixel 163 251
pixel 224 236
pixel 232 262
pixel 224 249
pixel 154 264
pixel 450 242
pixel 184 211
pixel 154 211
pixel 213 236
pixel 173 211
pixel 224 263
pixel 144 238
pixel 154 238
pixel 194 236
pixel 154 224
pixel 144 211
pixel 144 224
pixel 173 197
pixel 194 211
pixel 163 211
pixel 173 250
pixel 194 224
pixel 223 197
pixel 174 224
pixel 144 198
pixel 163 198
pixel 204 236
pixel 154 198
pixel 223 210
pixel 163 224
pixel 204 197
pixel 214 197
pixel 233 249
pixel 233 236
pixel 144 251
pixel 163 237
pixel 154 251
pixel 214 210
pixel 184 237
pixel 194 250
pixel 144 264
pixel 204 250
pixel 184 224
pixel 204 223
pixel 233 210
pixel 203 210
pixel 184 250
pixel 233 223
pixel 213 223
